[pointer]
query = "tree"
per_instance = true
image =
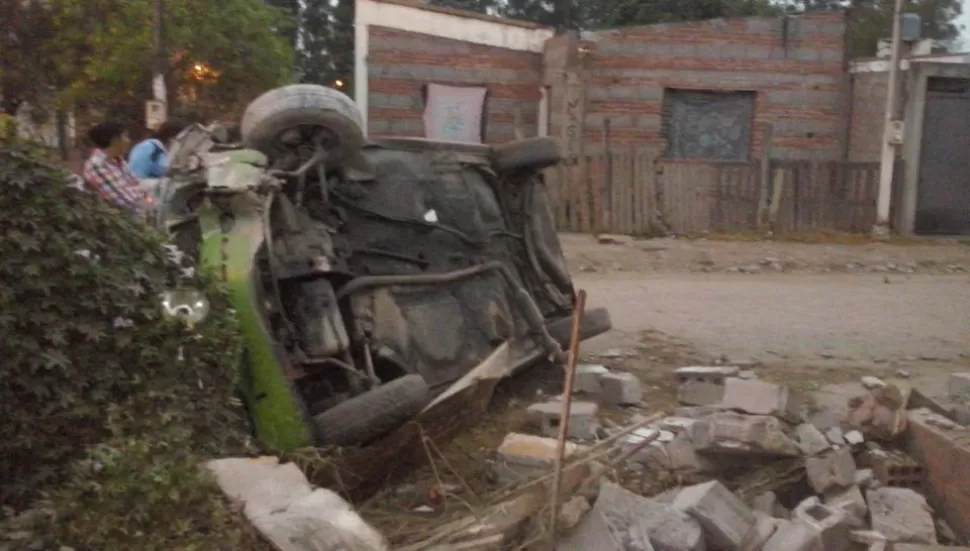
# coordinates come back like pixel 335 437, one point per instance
pixel 872 20
pixel 480 6
pixel 220 54
pixel 326 55
pixel 618 13
pixel 25 68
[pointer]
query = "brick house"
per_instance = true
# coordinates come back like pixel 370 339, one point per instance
pixel 658 85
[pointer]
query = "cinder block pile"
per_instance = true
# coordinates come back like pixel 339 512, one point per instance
pixel 863 495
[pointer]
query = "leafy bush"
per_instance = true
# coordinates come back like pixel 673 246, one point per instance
pixel 108 408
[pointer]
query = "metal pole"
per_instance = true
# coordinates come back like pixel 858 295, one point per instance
pixel 888 149
pixel 567 403
pixel 159 93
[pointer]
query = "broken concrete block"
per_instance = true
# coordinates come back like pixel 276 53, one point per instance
pixel 764 527
pixel 712 374
pixel 811 440
pixel 524 456
pixel 920 547
pixel 571 512
pixel 696 412
pixel 865 478
pixel 725 519
pixel 765 503
pixel 702 386
pixel 854 438
pixel 621 389
pixel 636 522
pixel 677 424
pixel 526 449
pixel 902 515
pixel 878 546
pixel 761 398
pixel 881 413
pixel 637 440
pixel 824 419
pixel 835 436
pixel 830 525
pixel 866 536
pixel 699 393
pixel 871 383
pixel 831 470
pixel 958 385
pixel 279 501
pixel 583 422
pixel 588 378
pixel 684 458
pixel 851 501
pixel 945 454
pixel 733 433
pixel 792 536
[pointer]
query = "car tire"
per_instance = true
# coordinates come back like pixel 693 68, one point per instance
pixel 303 106
pixel 528 154
pixel 374 413
pixel 596 321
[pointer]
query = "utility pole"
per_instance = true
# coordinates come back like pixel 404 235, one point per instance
pixel 888 160
pixel 157 110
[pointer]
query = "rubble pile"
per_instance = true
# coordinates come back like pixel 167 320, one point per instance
pixel 851 489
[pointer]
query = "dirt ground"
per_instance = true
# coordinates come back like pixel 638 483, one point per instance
pixel 816 316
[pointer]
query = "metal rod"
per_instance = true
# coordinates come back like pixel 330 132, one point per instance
pixel 566 406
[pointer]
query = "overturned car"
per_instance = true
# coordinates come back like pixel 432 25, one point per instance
pixel 367 275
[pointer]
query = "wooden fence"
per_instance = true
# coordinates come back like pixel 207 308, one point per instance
pixel 638 193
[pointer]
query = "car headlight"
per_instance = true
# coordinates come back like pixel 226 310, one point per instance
pixel 189 305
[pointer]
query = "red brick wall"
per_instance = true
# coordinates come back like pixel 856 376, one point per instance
pixel 868 110
pixel 400 63
pixel 796 70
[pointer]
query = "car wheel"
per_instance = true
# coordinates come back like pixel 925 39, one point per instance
pixel 596 321
pixel 282 119
pixel 374 413
pixel 528 154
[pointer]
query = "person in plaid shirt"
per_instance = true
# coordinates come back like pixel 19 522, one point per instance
pixel 106 172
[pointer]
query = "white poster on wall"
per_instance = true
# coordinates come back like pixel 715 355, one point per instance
pixel 454 113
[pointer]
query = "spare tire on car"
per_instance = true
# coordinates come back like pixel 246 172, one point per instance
pixel 281 119
pixel 528 154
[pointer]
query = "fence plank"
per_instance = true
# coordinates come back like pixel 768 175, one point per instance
pixel 696 196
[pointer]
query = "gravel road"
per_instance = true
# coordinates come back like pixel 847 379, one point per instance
pixel 806 314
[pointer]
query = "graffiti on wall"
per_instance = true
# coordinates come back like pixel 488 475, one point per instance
pixel 455 113
pixel 574 110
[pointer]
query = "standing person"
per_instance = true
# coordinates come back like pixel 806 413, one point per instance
pixel 107 173
pixel 149 158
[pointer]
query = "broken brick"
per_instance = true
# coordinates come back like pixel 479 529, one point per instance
pixel 945 454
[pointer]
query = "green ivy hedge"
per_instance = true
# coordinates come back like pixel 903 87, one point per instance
pixel 106 408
